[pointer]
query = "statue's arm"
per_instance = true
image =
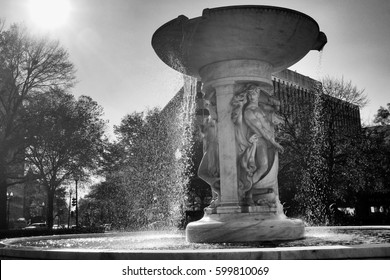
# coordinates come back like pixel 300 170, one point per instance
pixel 254 122
pixel 256 125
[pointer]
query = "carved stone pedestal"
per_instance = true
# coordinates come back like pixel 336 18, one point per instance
pixel 244 227
pixel 241 159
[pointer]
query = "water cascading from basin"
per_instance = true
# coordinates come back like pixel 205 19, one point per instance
pixel 314 180
pixel 157 166
pixel 178 117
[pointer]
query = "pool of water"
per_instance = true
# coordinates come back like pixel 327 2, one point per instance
pixel 314 236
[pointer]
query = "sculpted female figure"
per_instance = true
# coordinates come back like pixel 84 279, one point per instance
pixel 259 124
pixel 254 119
pixel 209 166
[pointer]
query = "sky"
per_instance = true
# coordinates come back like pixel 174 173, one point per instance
pixel 110 44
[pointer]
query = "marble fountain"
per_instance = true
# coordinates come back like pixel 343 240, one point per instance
pixel 233 51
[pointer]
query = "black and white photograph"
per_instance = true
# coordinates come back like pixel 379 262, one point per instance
pixel 162 139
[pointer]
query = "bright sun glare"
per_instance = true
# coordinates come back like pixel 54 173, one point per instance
pixel 49 14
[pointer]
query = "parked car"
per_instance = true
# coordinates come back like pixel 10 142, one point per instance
pixel 36 226
pixel 107 227
pixel 20 223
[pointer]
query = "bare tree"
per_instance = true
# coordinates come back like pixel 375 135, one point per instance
pixel 27 64
pixel 344 90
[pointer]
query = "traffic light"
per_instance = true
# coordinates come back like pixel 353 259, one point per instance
pixel 74 202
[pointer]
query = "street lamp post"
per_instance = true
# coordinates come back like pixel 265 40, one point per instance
pixel 70 206
pixel 9 197
pixel 43 214
pixel 77 209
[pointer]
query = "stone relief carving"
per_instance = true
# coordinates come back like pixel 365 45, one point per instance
pixel 253 114
pixel 209 166
pixel 254 118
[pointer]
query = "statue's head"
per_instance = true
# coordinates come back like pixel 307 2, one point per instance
pixel 253 92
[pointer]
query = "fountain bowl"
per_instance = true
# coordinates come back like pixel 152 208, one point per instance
pixel 277 36
pixel 367 242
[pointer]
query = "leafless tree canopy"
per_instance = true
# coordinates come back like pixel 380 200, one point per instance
pixel 344 90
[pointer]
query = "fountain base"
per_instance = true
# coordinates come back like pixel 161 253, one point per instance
pixel 244 227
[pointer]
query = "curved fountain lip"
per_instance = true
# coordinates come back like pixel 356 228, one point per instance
pixel 375 251
pixel 275 35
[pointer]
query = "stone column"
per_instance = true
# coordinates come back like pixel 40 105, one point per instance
pixel 222 78
pixel 227 145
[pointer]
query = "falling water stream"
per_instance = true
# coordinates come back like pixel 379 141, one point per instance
pixel 319 65
pixel 178 117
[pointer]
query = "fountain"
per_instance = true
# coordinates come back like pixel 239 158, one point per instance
pixel 233 51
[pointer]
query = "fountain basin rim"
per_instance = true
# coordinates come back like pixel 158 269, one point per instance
pixel 362 251
pixel 373 251
pixel 261 33
pixel 208 11
pixel 8 241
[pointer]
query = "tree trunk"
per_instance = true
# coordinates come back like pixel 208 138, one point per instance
pixel 50 207
pixel 3 203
